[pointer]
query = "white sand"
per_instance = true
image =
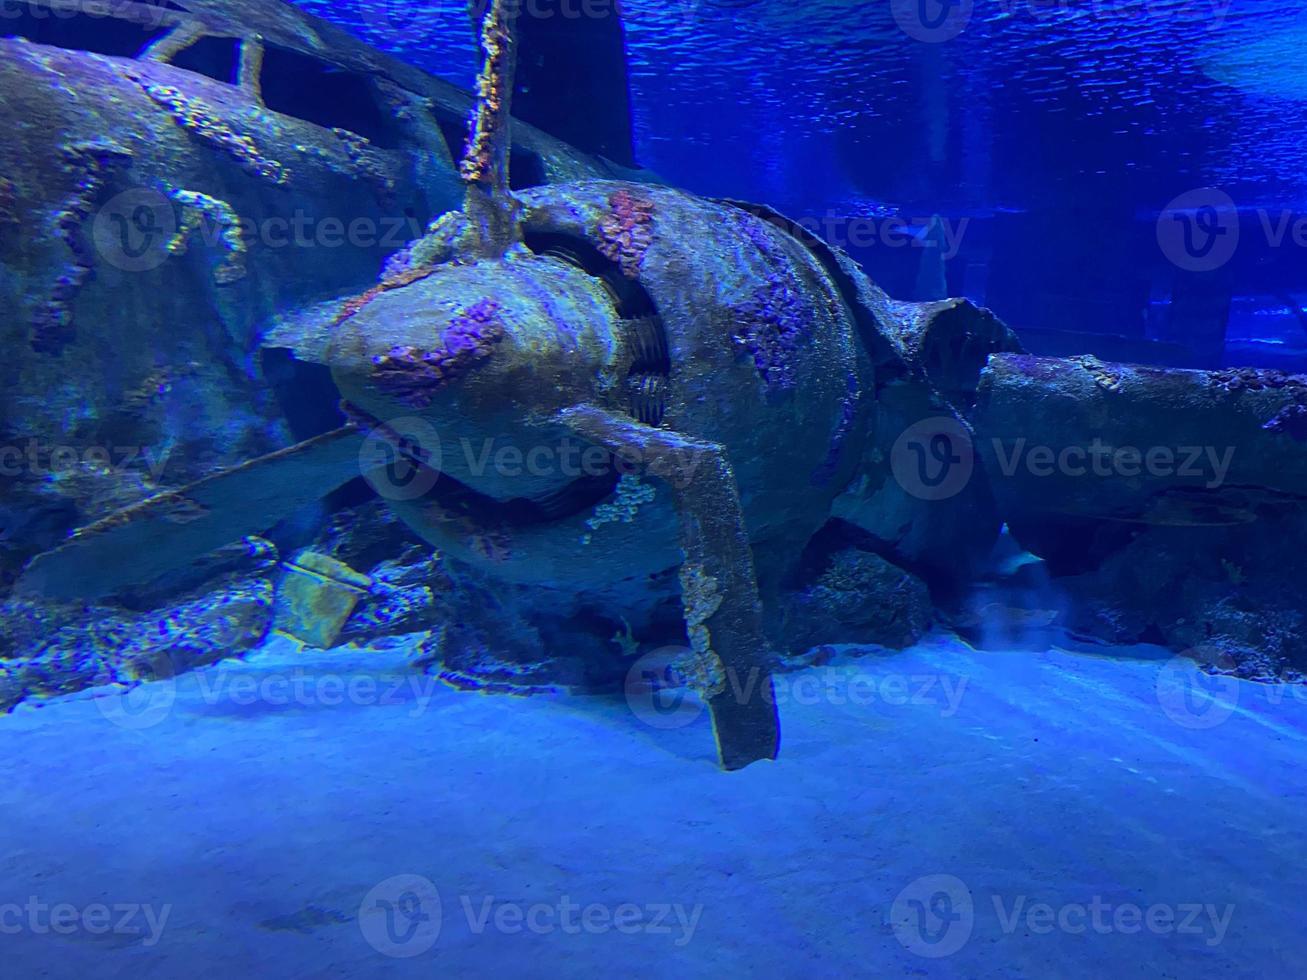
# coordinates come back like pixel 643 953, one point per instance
pixel 259 824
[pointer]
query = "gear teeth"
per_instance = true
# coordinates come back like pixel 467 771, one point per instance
pixel 648 398
pixel 564 254
pixel 648 342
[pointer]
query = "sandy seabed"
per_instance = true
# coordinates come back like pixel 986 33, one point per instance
pixel 937 812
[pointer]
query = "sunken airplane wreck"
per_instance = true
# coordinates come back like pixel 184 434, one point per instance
pixel 750 389
pixel 174 174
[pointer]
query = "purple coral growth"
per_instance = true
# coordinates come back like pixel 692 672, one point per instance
pixel 772 331
pixel 626 231
pixel 415 377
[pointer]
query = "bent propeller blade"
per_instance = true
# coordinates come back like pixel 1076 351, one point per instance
pixel 166 532
pixel 718 583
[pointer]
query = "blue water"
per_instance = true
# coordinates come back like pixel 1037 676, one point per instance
pixel 832 103
pixel 1059 131
pixel 1039 807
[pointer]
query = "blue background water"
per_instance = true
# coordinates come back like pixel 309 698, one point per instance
pixel 263 825
pixel 1058 131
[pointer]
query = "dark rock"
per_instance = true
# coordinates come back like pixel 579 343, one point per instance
pixel 52 650
pixel 1220 594
pixel 860 598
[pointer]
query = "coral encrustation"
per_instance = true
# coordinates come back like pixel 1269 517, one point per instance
pixel 92 165
pixel 772 331
pixel 194 114
pixel 626 231
pixel 215 222
pixel 494 88
pixel 414 377
pixel 1254 379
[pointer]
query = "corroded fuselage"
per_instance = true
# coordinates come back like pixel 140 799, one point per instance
pixel 694 316
pixel 154 220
